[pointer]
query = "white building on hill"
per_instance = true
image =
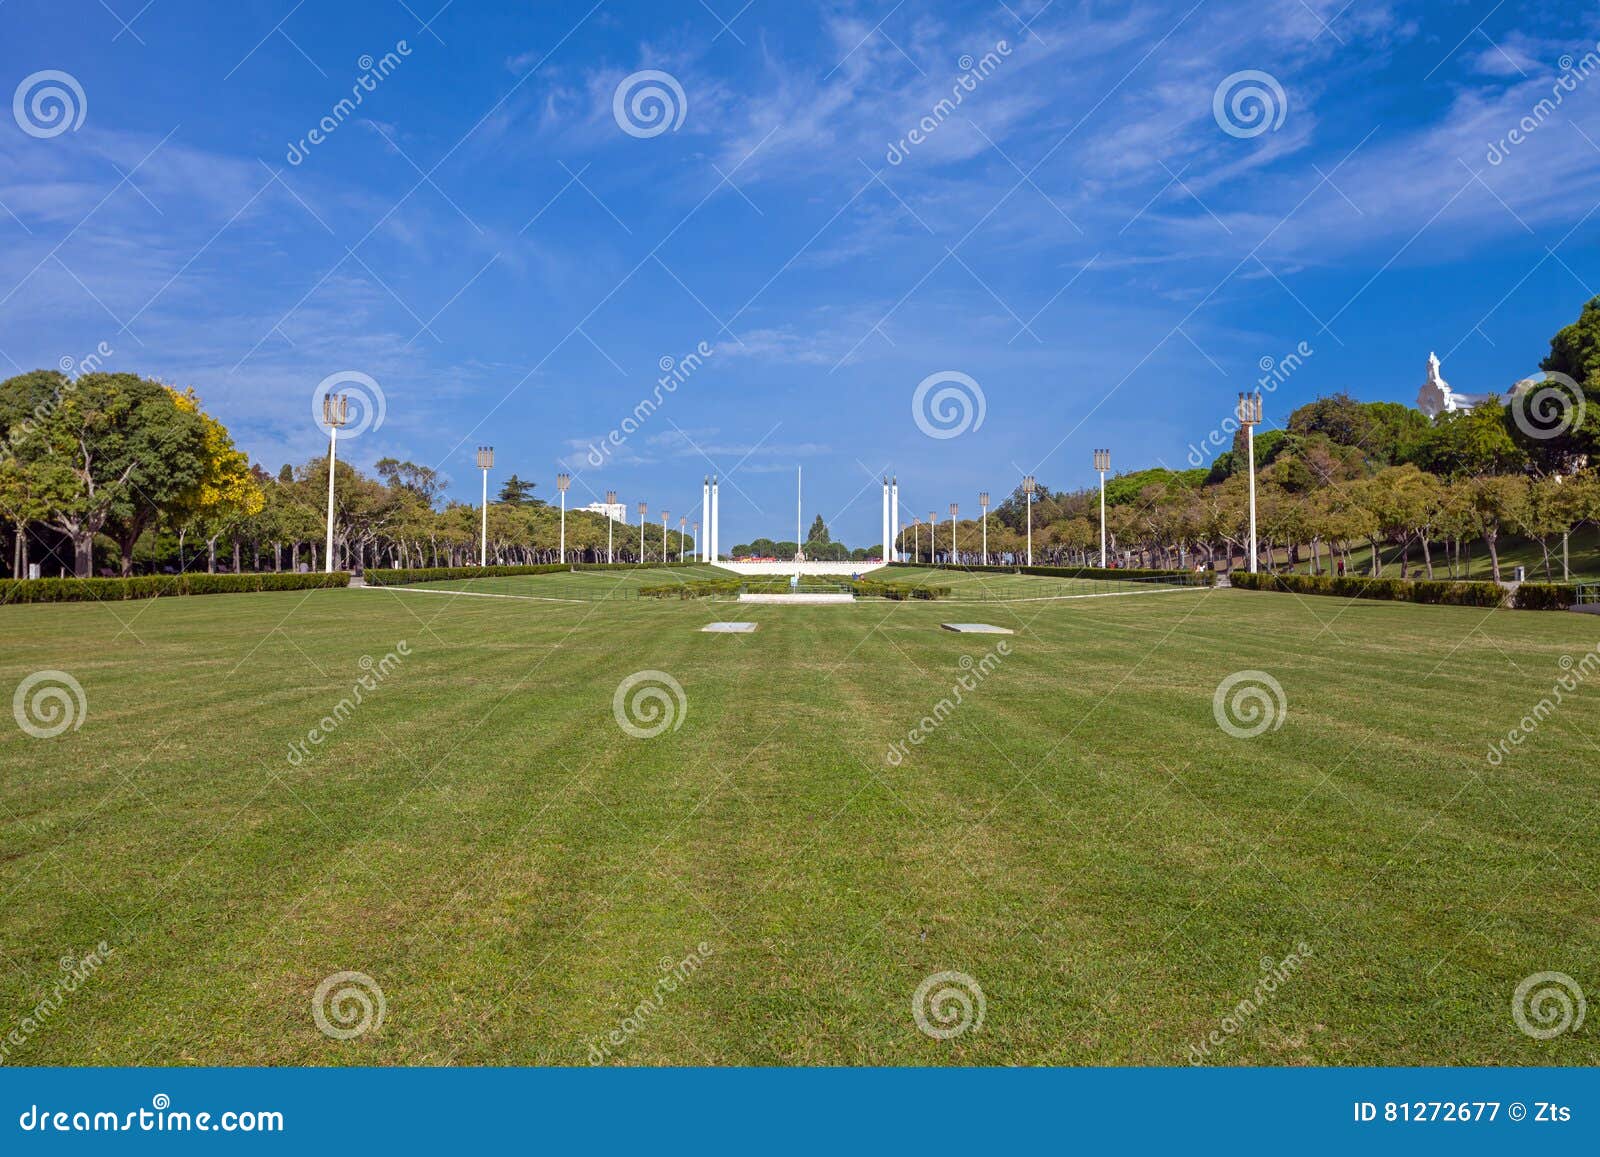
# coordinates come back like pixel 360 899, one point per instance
pixel 615 511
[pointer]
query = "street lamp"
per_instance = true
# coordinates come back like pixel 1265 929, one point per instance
pixel 643 510
pixel 335 413
pixel 1102 463
pixel 683 520
pixel 611 521
pixel 562 482
pixel 485 462
pixel 953 509
pixel 664 516
pixel 983 504
pixel 1028 488
pixel 933 538
pixel 916 539
pixel 1249 418
pixel 698 549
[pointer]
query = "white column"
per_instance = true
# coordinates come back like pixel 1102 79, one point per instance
pixel 1250 451
pixel 716 519
pixel 1102 518
pixel 883 519
pixel 702 548
pixel 333 449
pixel 894 518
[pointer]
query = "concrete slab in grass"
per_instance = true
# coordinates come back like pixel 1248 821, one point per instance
pixel 729 628
pixel 977 629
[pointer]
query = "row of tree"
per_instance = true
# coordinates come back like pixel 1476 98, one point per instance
pixel 137 471
pixel 1341 476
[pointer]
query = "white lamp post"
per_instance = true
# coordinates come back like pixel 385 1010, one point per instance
pixel 683 520
pixel 916 539
pixel 953 509
pixel 983 505
pixel 611 505
pixel 485 461
pixel 933 538
pixel 335 413
pixel 1102 463
pixel 1028 487
pixel 664 515
pixel 643 510
pixel 562 482
pixel 1249 418
pixel 699 550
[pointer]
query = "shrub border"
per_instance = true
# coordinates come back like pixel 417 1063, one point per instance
pixel 152 586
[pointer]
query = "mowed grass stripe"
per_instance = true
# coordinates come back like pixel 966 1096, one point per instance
pixel 1114 904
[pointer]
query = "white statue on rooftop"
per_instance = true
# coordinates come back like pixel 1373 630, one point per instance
pixel 1436 397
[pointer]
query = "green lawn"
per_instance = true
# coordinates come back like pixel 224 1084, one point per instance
pixel 1080 836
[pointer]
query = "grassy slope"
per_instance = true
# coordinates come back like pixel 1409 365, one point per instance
pixel 1081 837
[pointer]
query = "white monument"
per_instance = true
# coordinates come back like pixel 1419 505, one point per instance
pixel 1436 397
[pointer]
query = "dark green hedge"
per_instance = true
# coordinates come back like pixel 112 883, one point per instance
pixel 695 589
pixel 631 565
pixel 874 589
pixel 1206 577
pixel 393 577
pixel 151 586
pixel 428 574
pixel 1437 592
pixel 1545 597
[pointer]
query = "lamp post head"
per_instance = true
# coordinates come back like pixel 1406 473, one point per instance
pixel 954 509
pixel 563 481
pixel 1102 461
pixel 983 499
pixel 1249 411
pixel 335 410
pixel 485 457
pixel 1029 486
pixel 643 509
pixel 665 514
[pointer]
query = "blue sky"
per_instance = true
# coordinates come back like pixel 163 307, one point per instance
pixel 1082 236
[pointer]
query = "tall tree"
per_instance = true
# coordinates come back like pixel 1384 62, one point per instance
pixel 516 492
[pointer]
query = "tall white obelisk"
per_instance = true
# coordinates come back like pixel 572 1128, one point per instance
pixel 702 542
pixel 884 520
pixel 716 520
pixel 893 554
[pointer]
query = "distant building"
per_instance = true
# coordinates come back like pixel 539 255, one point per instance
pixel 615 511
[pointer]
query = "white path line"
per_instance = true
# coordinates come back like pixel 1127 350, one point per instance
pixel 1059 598
pixel 476 594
